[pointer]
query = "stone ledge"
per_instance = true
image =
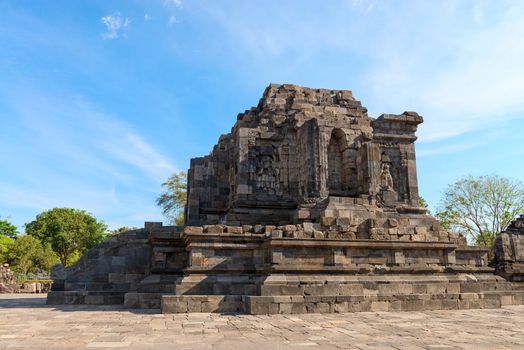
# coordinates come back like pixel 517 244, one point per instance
pixel 336 304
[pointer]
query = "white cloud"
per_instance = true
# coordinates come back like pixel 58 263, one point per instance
pixel 147 17
pixel 114 23
pixel 172 20
pixel 176 3
pixel 461 74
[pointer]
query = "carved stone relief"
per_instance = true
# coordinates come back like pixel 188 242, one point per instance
pixel 268 176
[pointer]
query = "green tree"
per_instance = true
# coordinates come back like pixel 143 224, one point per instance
pixel 28 255
pixel 173 198
pixel 8 229
pixel 5 246
pixel 480 207
pixel 422 202
pixel 69 232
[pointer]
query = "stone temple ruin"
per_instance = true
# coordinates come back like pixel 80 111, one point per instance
pixel 307 205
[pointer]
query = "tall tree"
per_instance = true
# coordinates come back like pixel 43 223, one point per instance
pixel 28 255
pixel 173 198
pixel 68 231
pixel 481 207
pixel 8 229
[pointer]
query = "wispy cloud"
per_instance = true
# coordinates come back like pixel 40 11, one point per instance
pixel 370 7
pixel 457 65
pixel 100 138
pixel 460 79
pixel 147 17
pixel 172 20
pixel 175 3
pixel 115 24
pixel 84 158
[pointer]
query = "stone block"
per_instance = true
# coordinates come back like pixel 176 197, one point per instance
pixel 234 229
pixel 377 306
pixel 327 221
pixel 341 307
pixel 269 228
pixel 258 307
pixel 193 229
pixel 395 305
pixel 308 227
pixel 318 235
pixel 94 299
pixel 285 308
pixel 412 305
pixel 214 229
pixel 303 214
pixel 506 300
pixel 177 307
pixel 450 304
pixel 453 288
pixel 277 234
pixel 194 306
pixel 436 288
pixel 359 306
pixel 297 308
pixel 350 289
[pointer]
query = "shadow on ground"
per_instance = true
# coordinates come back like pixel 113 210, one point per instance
pixel 38 301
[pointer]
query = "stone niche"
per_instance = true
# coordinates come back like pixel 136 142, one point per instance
pixel 307 205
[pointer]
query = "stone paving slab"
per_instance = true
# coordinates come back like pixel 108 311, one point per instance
pixel 27 323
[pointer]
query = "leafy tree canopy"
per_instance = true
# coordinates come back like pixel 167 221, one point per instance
pixel 173 198
pixel 68 231
pixel 8 229
pixel 480 207
pixel 5 246
pixel 28 255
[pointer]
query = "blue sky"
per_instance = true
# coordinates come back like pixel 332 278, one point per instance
pixel 100 101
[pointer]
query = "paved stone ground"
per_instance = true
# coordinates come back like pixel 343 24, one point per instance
pixel 26 322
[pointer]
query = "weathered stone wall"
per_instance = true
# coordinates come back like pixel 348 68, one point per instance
pixel 508 251
pixel 296 148
pixel 106 272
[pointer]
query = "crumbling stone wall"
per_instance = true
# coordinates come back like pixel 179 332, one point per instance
pixel 508 251
pixel 299 146
pixel 7 280
pixel 106 272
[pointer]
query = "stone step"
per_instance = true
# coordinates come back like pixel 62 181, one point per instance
pixel 381 288
pixel 140 300
pixel 203 303
pixel 408 302
pixel 85 297
pixel 338 303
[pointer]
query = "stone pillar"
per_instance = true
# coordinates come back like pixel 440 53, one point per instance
pixel 411 168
